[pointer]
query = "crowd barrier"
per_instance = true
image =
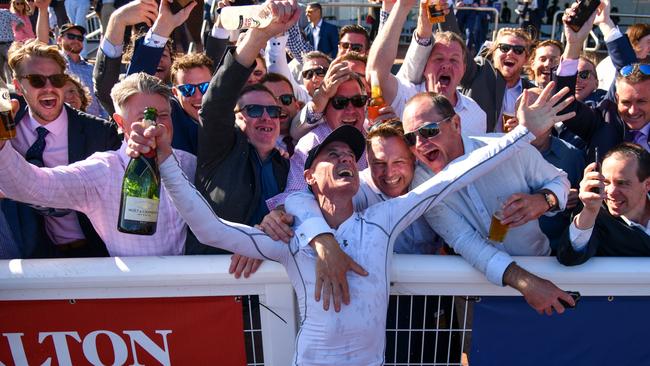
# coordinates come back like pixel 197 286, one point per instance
pixel 413 276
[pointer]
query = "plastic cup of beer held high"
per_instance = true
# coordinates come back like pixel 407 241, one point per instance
pixel 7 126
pixel 498 231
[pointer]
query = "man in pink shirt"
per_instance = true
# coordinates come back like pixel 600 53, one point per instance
pixel 49 133
pixel 93 186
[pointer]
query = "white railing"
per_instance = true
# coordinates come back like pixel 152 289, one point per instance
pixel 142 277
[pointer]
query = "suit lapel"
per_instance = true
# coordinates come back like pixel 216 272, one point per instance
pixel 75 136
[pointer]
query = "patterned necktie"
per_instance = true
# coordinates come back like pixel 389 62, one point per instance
pixel 34 154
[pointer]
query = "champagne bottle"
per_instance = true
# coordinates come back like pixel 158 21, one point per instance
pixel 435 14
pixel 244 17
pixel 377 101
pixel 141 190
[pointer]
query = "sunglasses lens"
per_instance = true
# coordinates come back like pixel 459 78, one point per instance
pixel 359 100
pixel 340 102
pixel 203 87
pixel 356 47
pixel 273 111
pixel 36 81
pixel 429 131
pixel 187 90
pixel 286 99
pixel 583 74
pixel 410 138
pixel 59 80
pixel 254 110
pixel 645 69
pixel 627 70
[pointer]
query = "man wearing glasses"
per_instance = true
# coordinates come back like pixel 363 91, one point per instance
pixel 282 89
pixel 50 134
pixel 624 114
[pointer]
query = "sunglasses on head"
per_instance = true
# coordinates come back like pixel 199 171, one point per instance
pixel 629 69
pixel 74 37
pixel 584 74
pixel 309 74
pixel 357 101
pixel 286 99
pixel 38 81
pixel 505 48
pixel 393 122
pixel 356 47
pixel 426 131
pixel 257 110
pixel 189 89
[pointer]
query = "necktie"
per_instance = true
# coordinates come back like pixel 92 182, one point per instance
pixel 288 141
pixel 8 247
pixel 34 154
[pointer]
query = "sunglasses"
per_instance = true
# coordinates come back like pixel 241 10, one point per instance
pixel 357 101
pixel 629 69
pixel 427 131
pixel 393 122
pixel 286 99
pixel 505 48
pixel 189 89
pixel 257 110
pixel 38 81
pixel 584 74
pixel 309 74
pixel 356 47
pixel 74 37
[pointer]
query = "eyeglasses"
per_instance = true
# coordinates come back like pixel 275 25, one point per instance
pixel 286 99
pixel 427 131
pixel 393 122
pixel 74 37
pixel 309 74
pixel 38 81
pixel 257 110
pixel 356 47
pixel 189 89
pixel 584 74
pixel 357 101
pixel 630 69
pixel 505 48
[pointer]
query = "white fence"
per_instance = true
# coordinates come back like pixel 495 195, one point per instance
pixel 142 277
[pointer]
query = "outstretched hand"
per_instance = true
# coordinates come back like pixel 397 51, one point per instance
pixel 540 116
pixel 581 35
pixel 138 11
pixel 167 21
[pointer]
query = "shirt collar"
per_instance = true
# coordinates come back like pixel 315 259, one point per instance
pixel 57 127
pixel 645 228
pixel 70 61
pixel 460 104
pixel 518 88
pixel 366 176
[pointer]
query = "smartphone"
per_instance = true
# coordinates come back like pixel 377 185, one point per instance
pixel 178 5
pixel 597 160
pixel 583 12
pixel 576 297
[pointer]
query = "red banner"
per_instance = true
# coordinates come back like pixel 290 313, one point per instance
pixel 159 331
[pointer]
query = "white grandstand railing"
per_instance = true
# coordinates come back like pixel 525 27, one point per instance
pixel 182 276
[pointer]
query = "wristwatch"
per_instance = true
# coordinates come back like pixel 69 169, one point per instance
pixel 551 200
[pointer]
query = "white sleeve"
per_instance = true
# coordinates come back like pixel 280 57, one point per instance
pixel 307 217
pixel 579 238
pixel 407 208
pixel 412 68
pixel 208 227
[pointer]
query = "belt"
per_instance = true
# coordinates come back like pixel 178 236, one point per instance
pixel 72 245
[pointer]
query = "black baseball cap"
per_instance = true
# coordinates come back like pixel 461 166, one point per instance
pixel 347 134
pixel 67 26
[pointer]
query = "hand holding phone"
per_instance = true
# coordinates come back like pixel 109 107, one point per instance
pixel 597 160
pixel 582 13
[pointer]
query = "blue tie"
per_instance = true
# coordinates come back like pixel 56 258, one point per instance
pixel 8 247
pixel 34 154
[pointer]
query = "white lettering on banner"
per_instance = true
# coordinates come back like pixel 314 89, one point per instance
pixel 89 347
pixel 141 209
pixel 160 354
pixel 60 345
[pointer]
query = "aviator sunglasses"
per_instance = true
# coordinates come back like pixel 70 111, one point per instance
pixel 342 102
pixel 505 48
pixel 356 47
pixel 309 74
pixel 38 81
pixel 629 69
pixel 189 89
pixel 257 110
pixel 426 131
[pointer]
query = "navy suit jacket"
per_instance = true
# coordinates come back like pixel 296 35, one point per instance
pixel 328 42
pixel 86 135
pixel 601 126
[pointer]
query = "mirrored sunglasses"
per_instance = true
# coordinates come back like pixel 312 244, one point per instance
pixel 187 90
pixel 629 69
pixel 356 47
pixel 427 131
pixel 257 110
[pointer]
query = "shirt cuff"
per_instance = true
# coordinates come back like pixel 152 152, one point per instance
pixel 310 229
pixel 579 238
pixel 154 40
pixel 614 35
pixel 219 33
pixel 497 266
pixel 567 68
pixel 426 42
pixel 111 50
pixel 312 117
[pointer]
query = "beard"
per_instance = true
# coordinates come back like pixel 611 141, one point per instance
pixel 72 49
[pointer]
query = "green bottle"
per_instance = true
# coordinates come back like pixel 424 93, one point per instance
pixel 141 190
